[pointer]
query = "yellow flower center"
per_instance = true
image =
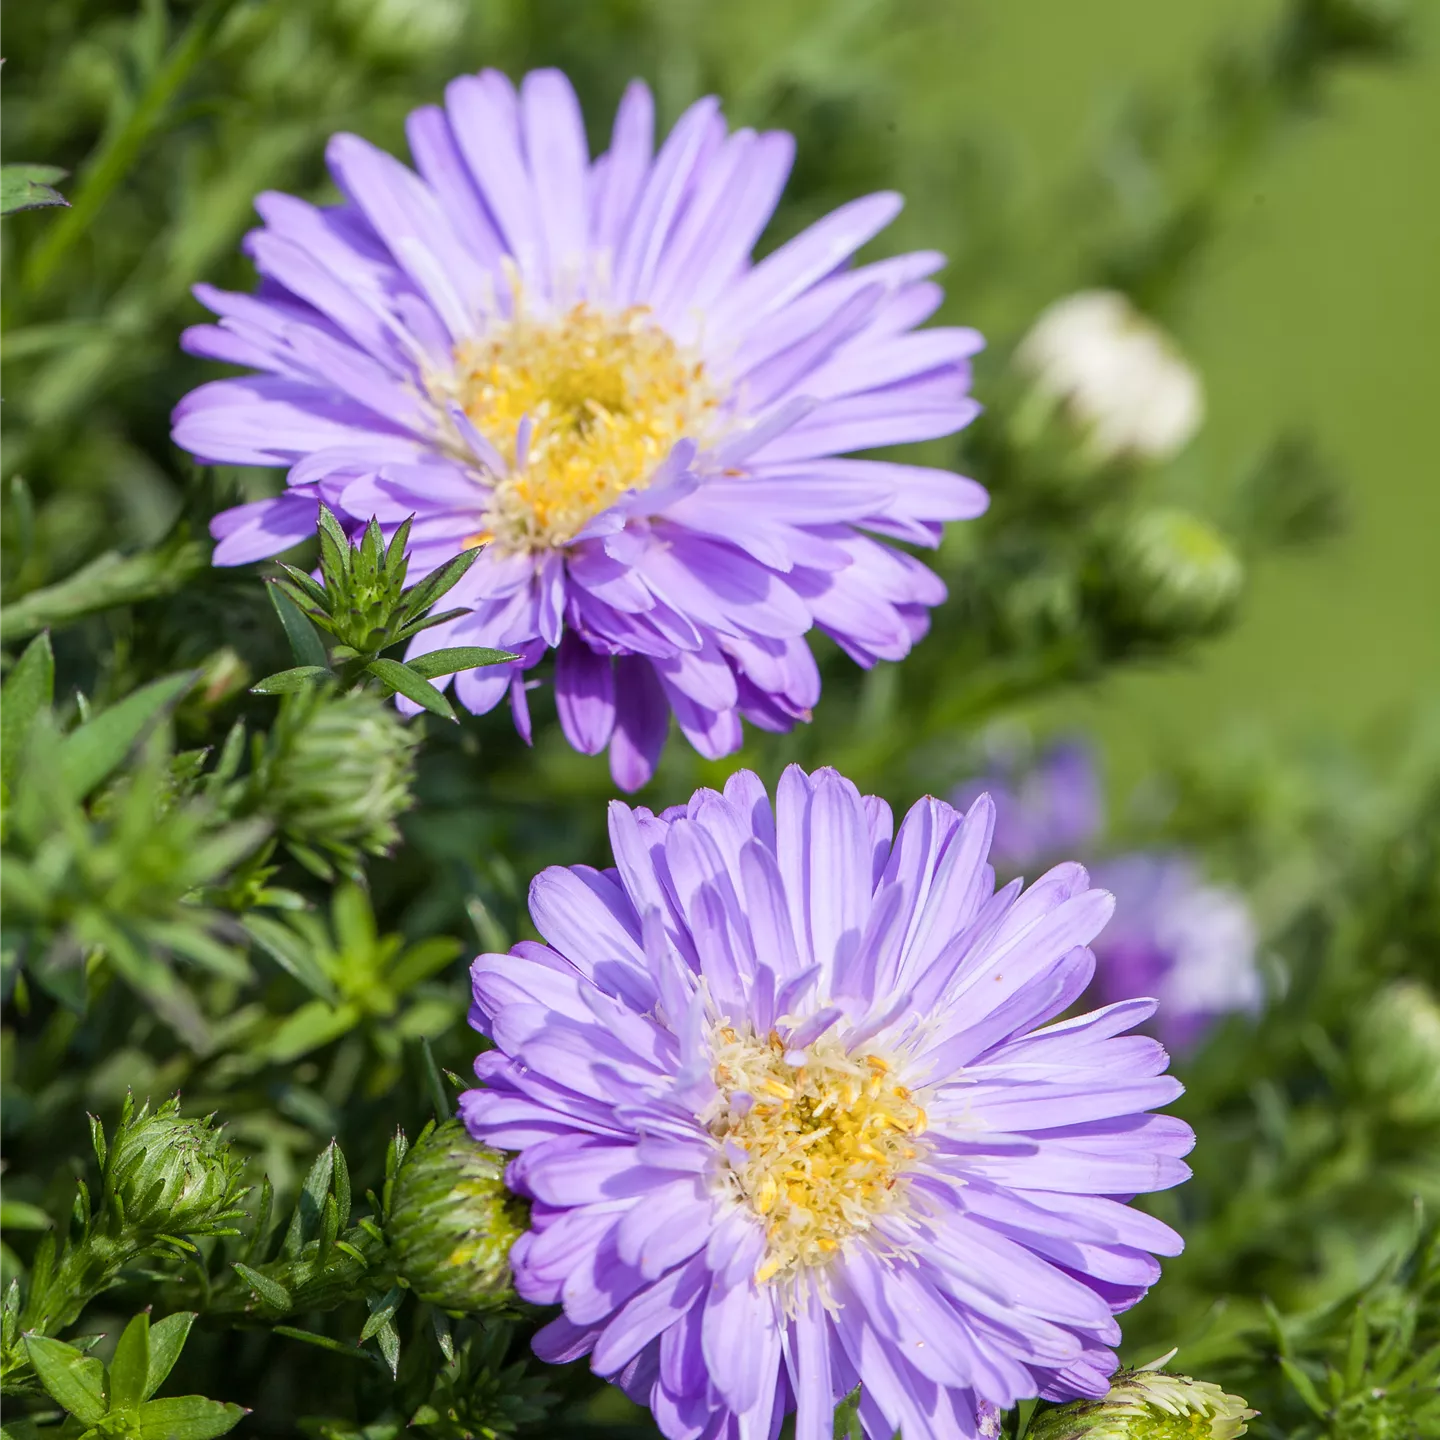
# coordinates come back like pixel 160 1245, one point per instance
pixel 824 1139
pixel 607 397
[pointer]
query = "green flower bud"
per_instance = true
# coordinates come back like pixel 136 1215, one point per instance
pixel 1148 1405
pixel 339 773
pixel 1398 1051
pixel 452 1222
pixel 169 1175
pixel 1169 573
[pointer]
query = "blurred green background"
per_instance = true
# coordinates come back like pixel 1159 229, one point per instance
pixel 1322 300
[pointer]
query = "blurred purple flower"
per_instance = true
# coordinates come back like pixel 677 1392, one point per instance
pixel 577 362
pixel 791 1118
pixel 1189 944
pixel 1050 809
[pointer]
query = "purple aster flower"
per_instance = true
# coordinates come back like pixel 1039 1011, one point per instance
pixel 793 1117
pixel 577 362
pixel 1190 944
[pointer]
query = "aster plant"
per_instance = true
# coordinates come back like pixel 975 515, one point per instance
pixel 576 363
pixel 792 1117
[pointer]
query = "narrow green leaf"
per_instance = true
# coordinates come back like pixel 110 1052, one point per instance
pixel 429 622
pixel 286 682
pixel 336 559
pixel 342 1188
pixel 381 1312
pixel 130 1369
pixel 397 562
pixel 29 689
pixel 459 657
pixel 325 1342
pixel 307 585
pixel 421 597
pixel 187 1417
pixel 305 643
pixel 292 953
pixel 74 1380
pixel 167 1340
pixel 271 1292
pixel 29 187
pixel 414 687
pixel 388 1339
pixel 1304 1386
pixel 187 940
pixel 305 1221
pixel 89 754
pixel 433 1083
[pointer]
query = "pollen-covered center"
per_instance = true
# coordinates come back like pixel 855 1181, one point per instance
pixel 817 1141
pixel 606 397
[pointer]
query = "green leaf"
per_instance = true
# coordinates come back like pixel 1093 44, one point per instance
pixel 382 1312
pixel 459 657
pixel 74 1380
pixel 185 938
pixel 308 587
pixel 90 753
pixel 29 689
pixel 335 554
pixel 421 597
pixel 313 1025
pixel 1304 1386
pixel 187 1417
pixel 847 1417
pixel 414 687
pixel 130 1369
pixel 292 953
pixel 28 187
pixel 325 1342
pixel 286 682
pixel 305 1222
pixel 167 1340
pixel 305 643
pixel 271 1292
pixel 17 1215
pixel 108 580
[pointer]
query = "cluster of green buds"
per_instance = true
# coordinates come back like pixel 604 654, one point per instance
pixel 1168 574
pixel 362 604
pixel 1148 1404
pixel 334 775
pixel 450 1221
pixel 1397 1051
pixel 168 1176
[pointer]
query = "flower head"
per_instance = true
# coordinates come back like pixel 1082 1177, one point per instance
pixel 576 362
pixel 792 1117
pixel 1118 375
pixel 1190 944
pixel 451 1222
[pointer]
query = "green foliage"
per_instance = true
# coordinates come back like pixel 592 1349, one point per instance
pixel 254 901
pixel 29 187
pixel 114 1402
pixel 362 603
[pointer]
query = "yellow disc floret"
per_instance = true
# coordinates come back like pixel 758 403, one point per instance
pixel 817 1141
pixel 607 397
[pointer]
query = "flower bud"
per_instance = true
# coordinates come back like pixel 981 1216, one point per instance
pixel 1169 573
pixel 452 1221
pixel 1397 1049
pixel 340 773
pixel 1148 1405
pixel 1119 378
pixel 171 1175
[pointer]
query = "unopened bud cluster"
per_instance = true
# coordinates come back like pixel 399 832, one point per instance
pixel 1398 1051
pixel 1170 573
pixel 452 1222
pixel 167 1174
pixel 1148 1405
pixel 339 772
